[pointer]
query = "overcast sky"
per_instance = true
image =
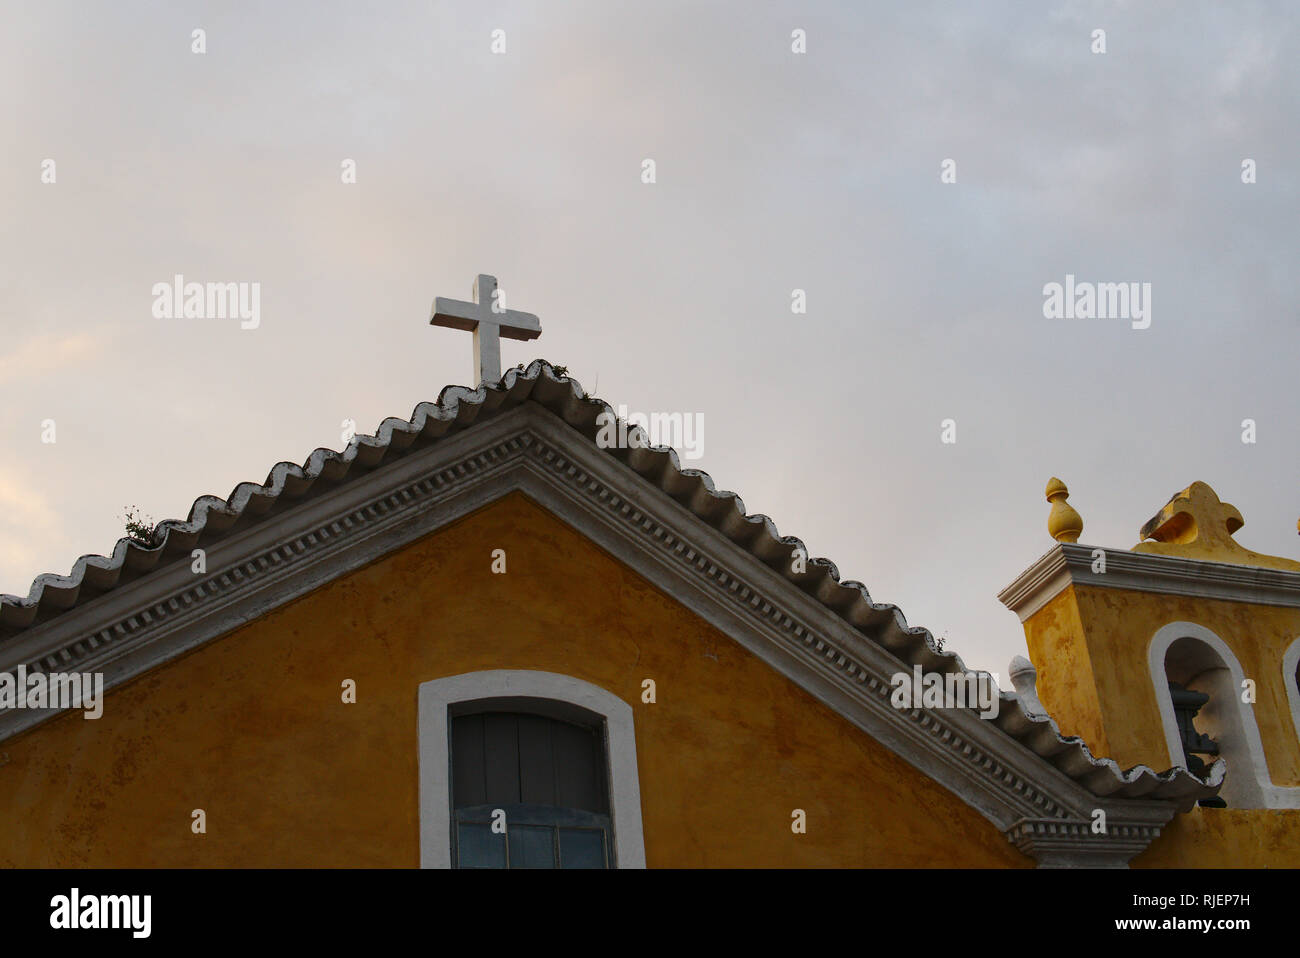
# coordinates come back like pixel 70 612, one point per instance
pixel 774 171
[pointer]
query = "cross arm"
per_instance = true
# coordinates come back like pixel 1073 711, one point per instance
pixel 516 325
pixel 452 313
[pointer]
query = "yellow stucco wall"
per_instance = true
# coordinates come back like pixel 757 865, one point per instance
pixel 1227 838
pixel 1117 626
pixel 251 728
pixel 1103 635
pixel 1066 686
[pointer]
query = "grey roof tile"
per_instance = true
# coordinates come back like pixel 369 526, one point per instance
pixel 459 407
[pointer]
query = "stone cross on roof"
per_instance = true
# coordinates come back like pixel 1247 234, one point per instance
pixel 489 319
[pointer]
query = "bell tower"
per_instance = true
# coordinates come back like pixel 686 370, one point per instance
pixel 1181 650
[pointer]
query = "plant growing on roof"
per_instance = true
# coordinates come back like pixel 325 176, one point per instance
pixel 140 528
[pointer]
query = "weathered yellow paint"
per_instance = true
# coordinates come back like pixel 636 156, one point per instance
pixel 251 728
pixel 1067 685
pixel 1088 624
pixel 1227 838
pixel 1063 522
pixel 1194 524
pixel 1090 647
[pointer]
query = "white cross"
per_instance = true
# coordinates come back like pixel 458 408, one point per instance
pixel 489 321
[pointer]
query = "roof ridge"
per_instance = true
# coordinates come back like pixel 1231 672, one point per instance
pixel 882 623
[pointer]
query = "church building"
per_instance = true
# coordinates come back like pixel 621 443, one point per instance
pixel 487 637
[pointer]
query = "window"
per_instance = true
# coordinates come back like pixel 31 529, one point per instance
pixel 1183 658
pixel 528 791
pixel 555 754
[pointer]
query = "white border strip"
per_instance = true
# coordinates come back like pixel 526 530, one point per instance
pixel 1291 679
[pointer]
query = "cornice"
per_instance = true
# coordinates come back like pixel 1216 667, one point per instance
pixel 670 526
pixel 1072 564
pixel 1056 844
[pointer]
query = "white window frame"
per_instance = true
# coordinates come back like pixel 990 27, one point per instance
pixel 436 700
pixel 1290 662
pixel 1243 787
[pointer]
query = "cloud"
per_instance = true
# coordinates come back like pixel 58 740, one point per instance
pixel 47 353
pixel 27 520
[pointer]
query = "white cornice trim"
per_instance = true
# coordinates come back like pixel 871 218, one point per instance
pixel 710 571
pixel 1072 564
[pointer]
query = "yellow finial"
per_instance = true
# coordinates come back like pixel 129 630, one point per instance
pixel 1063 522
pixel 1196 524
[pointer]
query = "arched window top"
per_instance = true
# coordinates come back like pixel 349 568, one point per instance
pixel 555 754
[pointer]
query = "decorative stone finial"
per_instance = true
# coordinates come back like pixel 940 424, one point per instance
pixel 1195 524
pixel 1025 678
pixel 1063 522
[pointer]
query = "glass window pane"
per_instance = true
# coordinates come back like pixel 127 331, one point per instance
pixel 532 846
pixel 478 847
pixel 582 848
